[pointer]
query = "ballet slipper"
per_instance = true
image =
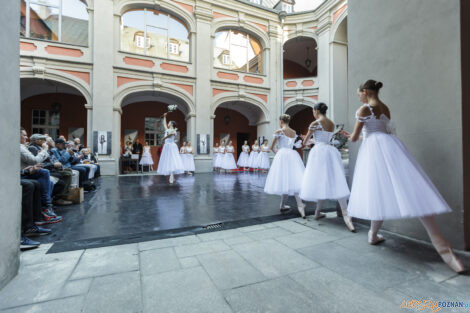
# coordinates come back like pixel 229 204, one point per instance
pixel 285 208
pixel 319 215
pixel 348 221
pixel 302 211
pixel 172 179
pixel 449 257
pixel 375 240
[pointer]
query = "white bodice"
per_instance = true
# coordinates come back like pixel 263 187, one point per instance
pixel 255 148
pixel 216 149
pixel 321 135
pixel 283 141
pixel 221 149
pixel 146 149
pixel 229 149
pixel 264 148
pixel 372 124
pixel 245 148
pixel 189 149
pixel 170 139
pixel 182 150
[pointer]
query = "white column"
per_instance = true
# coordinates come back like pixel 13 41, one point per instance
pixel 191 128
pixel 339 87
pixel 324 64
pixel 277 81
pixel 89 125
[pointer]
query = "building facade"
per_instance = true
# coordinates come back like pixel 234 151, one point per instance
pixel 231 67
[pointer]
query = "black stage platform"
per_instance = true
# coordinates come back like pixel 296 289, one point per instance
pixel 128 209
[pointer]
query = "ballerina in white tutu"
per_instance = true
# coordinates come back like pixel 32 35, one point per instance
pixel 146 159
pixel 215 155
pixel 220 156
pixel 188 159
pixel 243 159
pixel 388 182
pixel 170 160
pixel 228 161
pixel 263 157
pixel 324 177
pixel 253 160
pixel 284 176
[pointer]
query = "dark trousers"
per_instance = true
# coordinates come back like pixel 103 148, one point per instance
pixel 83 174
pixel 30 203
pixel 61 188
pixel 43 177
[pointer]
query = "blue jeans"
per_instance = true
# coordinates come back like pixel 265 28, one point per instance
pixel 43 177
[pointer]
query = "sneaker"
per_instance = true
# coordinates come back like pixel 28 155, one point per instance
pixel 62 202
pixel 37 231
pixel 28 244
pixel 49 219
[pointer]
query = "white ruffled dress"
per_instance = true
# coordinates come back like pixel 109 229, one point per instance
pixel 188 160
pixel 253 160
pixel 324 176
pixel 170 159
pixel 263 158
pixel 228 161
pixel 286 172
pixel 244 158
pixel 388 182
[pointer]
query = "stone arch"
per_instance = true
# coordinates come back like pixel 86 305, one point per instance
pixel 231 23
pixel 337 23
pixel 243 100
pixel 305 102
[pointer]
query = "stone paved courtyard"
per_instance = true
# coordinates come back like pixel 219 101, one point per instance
pixel 287 266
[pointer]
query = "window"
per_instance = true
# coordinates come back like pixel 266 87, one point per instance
pixel 154 131
pixel 58 20
pixel 45 122
pixel 239 51
pixel 287 7
pixel 166 36
pixel 256 1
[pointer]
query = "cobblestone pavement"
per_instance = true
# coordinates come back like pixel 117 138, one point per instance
pixel 287 266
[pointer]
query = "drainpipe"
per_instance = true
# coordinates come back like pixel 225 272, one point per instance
pixel 282 16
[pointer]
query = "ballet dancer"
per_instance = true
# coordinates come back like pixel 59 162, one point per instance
pixel 146 159
pixel 388 182
pixel 243 159
pixel 170 160
pixel 215 155
pixel 253 160
pixel 228 162
pixel 220 156
pixel 263 157
pixel 287 168
pixel 188 160
pixel 324 177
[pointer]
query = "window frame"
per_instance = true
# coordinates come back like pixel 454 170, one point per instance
pixel 47 126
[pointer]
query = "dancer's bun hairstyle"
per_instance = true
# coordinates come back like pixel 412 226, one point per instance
pixel 173 123
pixel 285 118
pixel 371 85
pixel 321 107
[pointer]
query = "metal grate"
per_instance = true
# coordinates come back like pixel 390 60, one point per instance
pixel 213 226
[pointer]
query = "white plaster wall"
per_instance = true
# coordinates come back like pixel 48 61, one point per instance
pixel 413 47
pixel 9 141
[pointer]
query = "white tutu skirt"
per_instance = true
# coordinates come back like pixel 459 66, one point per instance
pixel 146 159
pixel 390 184
pixel 285 174
pixel 243 160
pixel 263 160
pixel 324 176
pixel 219 160
pixel 170 160
pixel 253 160
pixel 188 162
pixel 214 159
pixel 228 162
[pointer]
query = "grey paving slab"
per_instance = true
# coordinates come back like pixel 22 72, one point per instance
pixel 68 305
pixel 184 291
pixel 201 248
pixel 268 233
pixel 307 238
pixel 106 261
pixel 335 226
pixel 118 293
pixel 220 235
pixel 423 288
pixel 229 270
pixel 40 256
pixel 252 228
pixel 461 282
pixel 238 240
pixel 158 261
pixel 370 270
pixel 340 294
pixel 279 295
pixel 273 259
pixel 41 281
pixel 170 242
pixel 76 287
pixel 295 225
pixel 189 262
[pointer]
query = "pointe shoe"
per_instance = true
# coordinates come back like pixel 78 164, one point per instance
pixel 302 210
pixel 448 256
pixel 319 215
pixel 375 241
pixel 348 221
pixel 285 208
pixel 172 179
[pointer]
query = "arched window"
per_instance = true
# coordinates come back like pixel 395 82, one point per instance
pixel 154 33
pixel 238 51
pixel 58 20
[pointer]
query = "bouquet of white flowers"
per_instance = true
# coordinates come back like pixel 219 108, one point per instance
pixel 172 107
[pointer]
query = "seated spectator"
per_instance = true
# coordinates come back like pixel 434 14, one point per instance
pixel 77 146
pixel 31 216
pixel 88 158
pixel 64 176
pixel 41 175
pixel 67 157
